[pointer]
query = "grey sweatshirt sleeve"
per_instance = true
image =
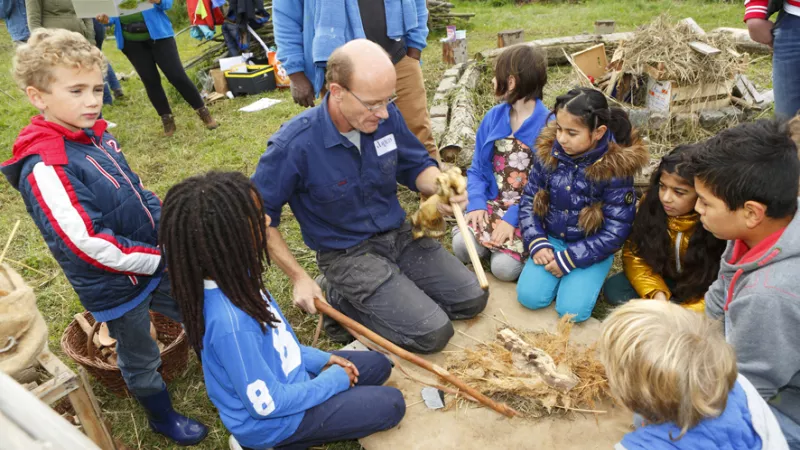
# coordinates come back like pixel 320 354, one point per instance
pixel 715 299
pixel 763 332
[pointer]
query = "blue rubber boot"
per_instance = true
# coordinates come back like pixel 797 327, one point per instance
pixel 164 420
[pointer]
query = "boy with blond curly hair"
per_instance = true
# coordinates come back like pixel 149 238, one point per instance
pixel 95 215
pixel 674 370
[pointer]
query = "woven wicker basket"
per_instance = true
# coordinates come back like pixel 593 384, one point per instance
pixel 174 357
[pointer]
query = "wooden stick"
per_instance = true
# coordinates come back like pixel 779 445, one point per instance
pixel 317 332
pixel 327 309
pixel 24 266
pixel 473 252
pixel 473 338
pixel 8 243
pixel 538 359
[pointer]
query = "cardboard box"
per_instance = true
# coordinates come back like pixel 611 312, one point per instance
pixel 220 83
pixel 668 96
pixel 592 61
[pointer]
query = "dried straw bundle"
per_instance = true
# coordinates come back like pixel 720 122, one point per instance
pixel 664 46
pixel 503 376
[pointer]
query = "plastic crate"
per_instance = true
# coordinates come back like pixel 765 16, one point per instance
pixel 257 79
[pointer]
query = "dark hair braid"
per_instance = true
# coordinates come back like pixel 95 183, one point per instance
pixel 212 227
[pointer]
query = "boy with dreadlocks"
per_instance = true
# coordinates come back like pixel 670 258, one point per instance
pixel 97 219
pixel 270 390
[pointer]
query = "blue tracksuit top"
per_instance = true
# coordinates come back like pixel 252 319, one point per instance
pixel 261 382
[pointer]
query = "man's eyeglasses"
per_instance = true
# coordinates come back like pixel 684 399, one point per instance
pixel 374 107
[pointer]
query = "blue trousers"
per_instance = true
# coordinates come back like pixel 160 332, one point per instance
pixel 359 411
pixel 574 293
pixel 111 81
pixel 790 428
pixel 138 356
pixel 786 65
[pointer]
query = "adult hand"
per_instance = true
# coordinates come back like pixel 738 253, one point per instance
pixel 544 256
pixel 155 2
pixel 350 368
pixel 553 268
pixel 478 219
pixel 760 30
pixel 660 296
pixel 414 53
pixel 304 292
pixel 503 232
pixel 102 18
pixel 302 90
pixel 459 199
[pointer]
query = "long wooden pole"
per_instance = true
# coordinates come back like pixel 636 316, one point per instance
pixel 466 233
pixel 347 322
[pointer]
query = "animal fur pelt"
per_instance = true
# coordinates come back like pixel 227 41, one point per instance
pixel 428 221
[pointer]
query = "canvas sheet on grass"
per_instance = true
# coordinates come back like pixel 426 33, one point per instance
pixel 482 428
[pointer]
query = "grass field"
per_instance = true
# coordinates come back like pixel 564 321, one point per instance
pixel 237 145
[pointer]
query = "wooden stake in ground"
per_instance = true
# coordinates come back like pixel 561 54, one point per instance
pixel 538 359
pixel 347 322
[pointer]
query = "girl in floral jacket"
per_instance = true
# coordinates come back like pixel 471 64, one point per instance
pixel 578 206
pixel 502 160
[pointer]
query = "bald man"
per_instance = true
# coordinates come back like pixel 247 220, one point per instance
pixel 337 165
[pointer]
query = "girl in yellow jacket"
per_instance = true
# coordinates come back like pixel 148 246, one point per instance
pixel 669 255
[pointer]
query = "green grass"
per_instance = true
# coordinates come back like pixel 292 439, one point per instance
pixel 237 145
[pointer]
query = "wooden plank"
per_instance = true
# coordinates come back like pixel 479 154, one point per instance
pixel 692 25
pixel 98 431
pixel 35 418
pixel 56 388
pixel 555 47
pixel 508 38
pixel 698 92
pixel 592 61
pixel 704 49
pixel 700 106
pixel 454 52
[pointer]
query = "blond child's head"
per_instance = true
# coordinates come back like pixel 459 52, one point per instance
pixel 62 75
pixel 666 363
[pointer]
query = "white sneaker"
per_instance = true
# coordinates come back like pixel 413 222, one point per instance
pixel 110 124
pixel 233 444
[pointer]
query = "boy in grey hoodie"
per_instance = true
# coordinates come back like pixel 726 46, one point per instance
pixel 747 182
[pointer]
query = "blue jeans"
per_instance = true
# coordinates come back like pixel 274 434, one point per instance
pixel 357 412
pixel 575 293
pixel 17 22
pixel 138 355
pixel 790 428
pixel 786 65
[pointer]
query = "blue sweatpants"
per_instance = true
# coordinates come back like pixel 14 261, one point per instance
pixel 574 293
pixel 359 411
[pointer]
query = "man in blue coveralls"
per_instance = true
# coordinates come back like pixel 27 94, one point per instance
pixel 337 165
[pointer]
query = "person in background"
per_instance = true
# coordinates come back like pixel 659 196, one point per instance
pixel 783 36
pixel 147 39
pixel 57 14
pixel 307 31
pixel 669 255
pixel 13 13
pixel 112 83
pixel 503 157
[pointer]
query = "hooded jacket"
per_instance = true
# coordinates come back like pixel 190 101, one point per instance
pixel 93 212
pixel 588 201
pixel 646 281
pixel 758 297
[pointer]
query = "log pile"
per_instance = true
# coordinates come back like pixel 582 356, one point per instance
pixel 458 143
pixel 440 14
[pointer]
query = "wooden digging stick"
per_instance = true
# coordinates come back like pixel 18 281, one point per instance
pixel 473 252
pixel 323 307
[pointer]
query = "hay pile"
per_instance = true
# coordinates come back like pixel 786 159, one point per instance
pixel 664 46
pixel 499 374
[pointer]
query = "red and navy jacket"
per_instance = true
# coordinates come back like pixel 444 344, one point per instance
pixel 98 220
pixel 763 9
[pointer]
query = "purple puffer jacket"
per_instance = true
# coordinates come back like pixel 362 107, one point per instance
pixel 587 202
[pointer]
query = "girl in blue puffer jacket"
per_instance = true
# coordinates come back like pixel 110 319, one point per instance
pixel 578 206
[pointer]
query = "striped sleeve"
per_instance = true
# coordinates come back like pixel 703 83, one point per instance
pixel 755 9
pixel 78 225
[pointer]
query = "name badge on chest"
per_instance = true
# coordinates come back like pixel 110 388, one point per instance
pixel 385 145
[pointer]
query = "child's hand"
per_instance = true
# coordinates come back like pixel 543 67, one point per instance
pixel 503 232
pixel 544 256
pixel 553 268
pixel 660 296
pixel 102 18
pixel 478 219
pixel 350 368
